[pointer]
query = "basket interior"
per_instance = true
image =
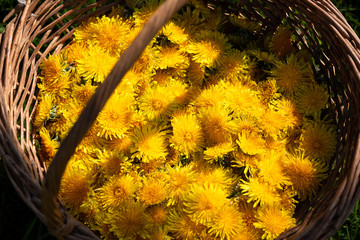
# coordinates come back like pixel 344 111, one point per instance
pixel 44 27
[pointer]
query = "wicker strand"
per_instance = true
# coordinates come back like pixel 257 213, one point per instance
pixel 94 106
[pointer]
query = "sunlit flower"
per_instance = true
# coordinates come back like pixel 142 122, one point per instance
pixel 208 48
pixel 171 57
pixel 180 180
pixel 116 191
pixel 83 93
pixel 175 33
pixel 203 202
pixel 226 223
pixel 75 186
pixel 96 64
pixel 212 96
pixel 187 134
pixel 216 124
pixel 157 102
pixel 304 174
pixel 109 33
pixel 273 221
pixel 152 192
pixel 218 151
pixel 115 118
pixel 48 145
pixel 149 143
pixel 259 192
pixel 44 111
pixel 251 144
pixel 113 162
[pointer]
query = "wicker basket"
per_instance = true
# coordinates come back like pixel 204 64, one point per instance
pixel 36 28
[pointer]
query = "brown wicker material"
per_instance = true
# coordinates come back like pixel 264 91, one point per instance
pixel 36 28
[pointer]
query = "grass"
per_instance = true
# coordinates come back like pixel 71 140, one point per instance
pixel 18 221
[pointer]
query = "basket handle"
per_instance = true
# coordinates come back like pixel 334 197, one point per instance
pixel 51 186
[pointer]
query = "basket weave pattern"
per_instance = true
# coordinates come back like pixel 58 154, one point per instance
pixel 37 28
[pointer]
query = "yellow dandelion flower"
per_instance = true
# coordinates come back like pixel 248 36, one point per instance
pixel 210 97
pixel 247 211
pixel 75 186
pixel 277 145
pixel 243 23
pixel 245 235
pixel 282 42
pixel 304 174
pixel 195 74
pixel 171 57
pixel 152 192
pixel 273 221
pixel 243 100
pixel 216 124
pixel 250 162
pixel 271 170
pixel 158 214
pixel 122 144
pixel 112 162
pixel 272 122
pixel 83 93
pixel 160 233
pixel 183 227
pixel 215 20
pixel 52 68
pixel 57 87
pixel 175 33
pixel 190 20
pixel 76 51
pixel 48 145
pixel 161 77
pixel 218 151
pixel 142 15
pixel 312 99
pixel 208 175
pixel 156 103
pixel 209 48
pixel 268 91
pixel 290 75
pixel 187 136
pixel 116 191
pixel 96 64
pixel 129 221
pixel 318 140
pixel 115 118
pixel 233 65
pixel 180 93
pixel 180 179
pixel 84 32
pixel 226 223
pixel 44 111
pixel 251 144
pixel 202 202
pixel 109 34
pixel 290 112
pixel 259 192
pixel 149 143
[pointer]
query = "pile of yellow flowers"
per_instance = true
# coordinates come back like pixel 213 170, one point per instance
pixel 217 131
